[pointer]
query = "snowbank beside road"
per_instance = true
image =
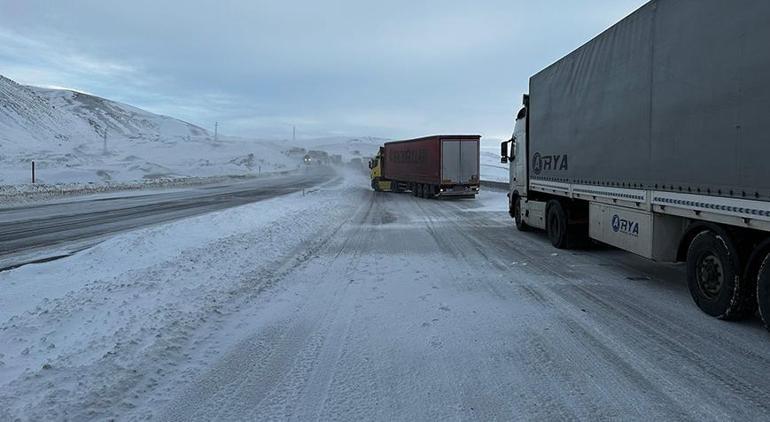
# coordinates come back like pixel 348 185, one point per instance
pixel 12 195
pixel 140 300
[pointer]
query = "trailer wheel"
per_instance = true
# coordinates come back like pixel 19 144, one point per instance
pixel 714 277
pixel 430 191
pixel 763 291
pixel 517 217
pixel 557 225
pixel 414 189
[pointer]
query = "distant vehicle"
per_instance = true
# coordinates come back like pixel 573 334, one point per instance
pixel 319 157
pixel 356 163
pixel 296 152
pixel 435 166
pixel 653 138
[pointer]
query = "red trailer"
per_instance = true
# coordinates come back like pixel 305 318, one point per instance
pixel 445 165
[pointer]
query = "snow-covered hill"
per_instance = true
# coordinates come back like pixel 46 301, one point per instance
pixel 30 122
pixel 116 119
pixel 63 132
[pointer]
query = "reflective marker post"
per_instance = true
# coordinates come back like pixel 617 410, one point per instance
pixel 33 172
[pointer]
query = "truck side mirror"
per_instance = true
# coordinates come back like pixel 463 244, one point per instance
pixel 504 152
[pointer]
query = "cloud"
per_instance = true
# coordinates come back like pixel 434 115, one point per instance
pixel 392 69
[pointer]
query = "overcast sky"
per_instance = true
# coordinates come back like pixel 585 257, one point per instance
pixel 388 68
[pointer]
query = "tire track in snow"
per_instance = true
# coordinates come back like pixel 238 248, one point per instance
pixel 277 350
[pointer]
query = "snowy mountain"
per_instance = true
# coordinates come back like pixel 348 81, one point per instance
pixel 64 133
pixel 29 121
pixel 52 117
pixel 120 119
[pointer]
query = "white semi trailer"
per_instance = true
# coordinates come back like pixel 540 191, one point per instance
pixel 654 137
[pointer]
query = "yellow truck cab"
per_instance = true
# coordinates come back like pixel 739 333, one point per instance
pixel 375 167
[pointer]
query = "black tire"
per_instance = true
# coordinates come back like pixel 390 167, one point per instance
pixel 557 225
pixel 714 277
pixel 517 217
pixel 763 291
pixel 429 192
pixel 414 189
pixel 374 186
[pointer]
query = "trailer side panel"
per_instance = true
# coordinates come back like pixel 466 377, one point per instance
pixel 416 161
pixel 435 160
pixel 671 98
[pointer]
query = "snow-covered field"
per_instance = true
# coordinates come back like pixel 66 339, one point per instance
pixel 63 133
pixel 93 335
pixel 349 305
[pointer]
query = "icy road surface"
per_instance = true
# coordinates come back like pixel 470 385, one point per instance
pixel 350 305
pixel 42 231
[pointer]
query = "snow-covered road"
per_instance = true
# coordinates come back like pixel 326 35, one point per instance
pixel 350 305
pixel 32 233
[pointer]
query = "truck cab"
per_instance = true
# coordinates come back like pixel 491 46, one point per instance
pixel 375 172
pixel 514 153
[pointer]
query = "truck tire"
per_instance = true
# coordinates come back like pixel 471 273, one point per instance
pixel 557 225
pixel 414 189
pixel 714 277
pixel 763 291
pixel 517 217
pixel 430 191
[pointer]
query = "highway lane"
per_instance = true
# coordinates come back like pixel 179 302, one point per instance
pixel 40 232
pixel 358 305
pixel 441 310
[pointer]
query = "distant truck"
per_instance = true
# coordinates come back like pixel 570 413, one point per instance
pixel 653 138
pixel 318 158
pixel 435 166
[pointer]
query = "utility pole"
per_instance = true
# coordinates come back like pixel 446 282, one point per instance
pixel 104 137
pixel 216 131
pixel 294 134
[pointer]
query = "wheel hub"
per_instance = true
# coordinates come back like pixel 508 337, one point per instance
pixel 710 276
